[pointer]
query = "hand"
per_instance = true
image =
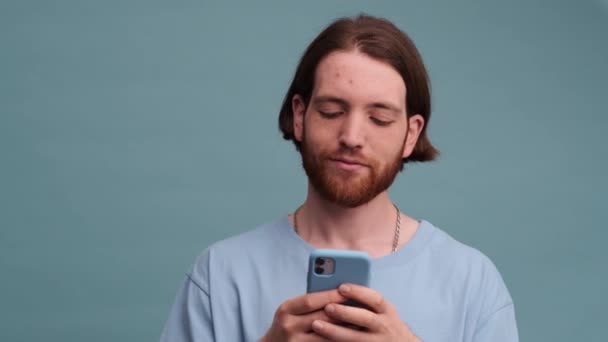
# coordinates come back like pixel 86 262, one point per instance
pixel 293 319
pixel 380 322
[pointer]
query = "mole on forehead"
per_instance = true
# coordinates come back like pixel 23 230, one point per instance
pixel 337 75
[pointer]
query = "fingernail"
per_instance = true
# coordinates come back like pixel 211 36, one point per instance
pixel 330 308
pixel 344 288
pixel 317 325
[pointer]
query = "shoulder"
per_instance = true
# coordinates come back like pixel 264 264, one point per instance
pixel 457 254
pixel 471 267
pixel 260 239
pixel 238 251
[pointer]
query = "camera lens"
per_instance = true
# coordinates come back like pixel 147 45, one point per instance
pixel 320 261
pixel 319 270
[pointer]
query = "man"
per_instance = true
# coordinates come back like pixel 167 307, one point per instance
pixel 357 111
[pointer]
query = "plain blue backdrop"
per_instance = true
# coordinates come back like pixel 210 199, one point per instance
pixel 135 133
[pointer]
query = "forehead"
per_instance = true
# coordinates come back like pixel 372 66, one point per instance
pixel 358 78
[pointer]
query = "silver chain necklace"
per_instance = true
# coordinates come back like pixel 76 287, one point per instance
pixel 395 237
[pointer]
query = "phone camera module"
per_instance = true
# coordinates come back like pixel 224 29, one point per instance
pixel 324 266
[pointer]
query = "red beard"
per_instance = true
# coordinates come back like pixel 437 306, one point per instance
pixel 348 188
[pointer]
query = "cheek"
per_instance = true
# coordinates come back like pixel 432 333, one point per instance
pixel 388 145
pixel 319 133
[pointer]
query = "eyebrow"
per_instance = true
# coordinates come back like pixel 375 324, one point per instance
pixel 380 105
pixel 322 99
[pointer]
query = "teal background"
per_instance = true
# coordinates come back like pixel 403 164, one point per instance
pixel 135 133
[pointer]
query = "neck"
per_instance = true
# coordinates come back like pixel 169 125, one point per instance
pixel 369 227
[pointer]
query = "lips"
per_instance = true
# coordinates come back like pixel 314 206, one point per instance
pixel 348 161
pixel 347 164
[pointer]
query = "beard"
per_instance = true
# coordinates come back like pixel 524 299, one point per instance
pixel 347 188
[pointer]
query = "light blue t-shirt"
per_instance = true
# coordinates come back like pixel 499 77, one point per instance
pixel 442 289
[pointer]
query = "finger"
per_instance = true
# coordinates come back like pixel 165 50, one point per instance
pixel 311 302
pixel 304 322
pixel 337 333
pixel 353 315
pixel 364 295
pixel 312 337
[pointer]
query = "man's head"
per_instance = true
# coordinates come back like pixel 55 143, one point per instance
pixel 357 109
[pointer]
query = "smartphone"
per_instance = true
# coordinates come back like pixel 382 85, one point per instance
pixel 328 268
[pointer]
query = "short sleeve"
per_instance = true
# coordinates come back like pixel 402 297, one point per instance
pixel 496 319
pixel 190 318
pixel 500 326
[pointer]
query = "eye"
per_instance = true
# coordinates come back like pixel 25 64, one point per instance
pixel 330 115
pixel 380 122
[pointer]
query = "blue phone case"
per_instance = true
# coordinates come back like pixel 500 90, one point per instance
pixel 349 267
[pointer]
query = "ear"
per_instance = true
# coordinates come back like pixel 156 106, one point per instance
pixel 298 108
pixel 414 127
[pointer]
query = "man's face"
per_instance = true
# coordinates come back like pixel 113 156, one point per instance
pixel 354 131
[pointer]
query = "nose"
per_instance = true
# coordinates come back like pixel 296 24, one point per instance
pixel 352 133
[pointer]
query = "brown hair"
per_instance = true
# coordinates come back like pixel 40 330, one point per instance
pixel 381 40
